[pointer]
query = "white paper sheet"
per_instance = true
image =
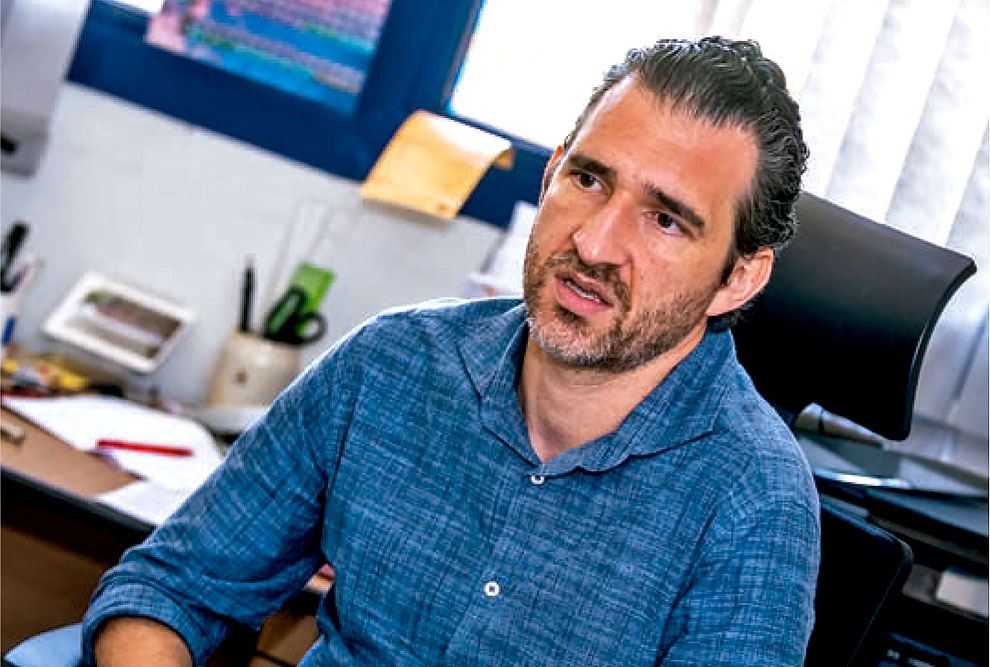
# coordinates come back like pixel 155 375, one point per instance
pixel 83 420
pixel 145 500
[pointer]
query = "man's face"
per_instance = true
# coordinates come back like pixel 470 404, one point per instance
pixel 634 229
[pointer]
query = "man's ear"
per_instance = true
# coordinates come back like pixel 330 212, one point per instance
pixel 748 277
pixel 550 169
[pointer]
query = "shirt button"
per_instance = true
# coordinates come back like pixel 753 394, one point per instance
pixel 537 479
pixel 492 589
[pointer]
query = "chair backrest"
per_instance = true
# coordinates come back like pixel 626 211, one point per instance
pixel 862 566
pixel 846 318
pixel 844 323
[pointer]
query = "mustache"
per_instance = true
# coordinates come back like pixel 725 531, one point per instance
pixel 606 274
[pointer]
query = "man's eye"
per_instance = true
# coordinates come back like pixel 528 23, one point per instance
pixel 669 223
pixel 585 180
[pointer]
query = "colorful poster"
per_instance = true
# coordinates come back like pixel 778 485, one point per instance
pixel 317 49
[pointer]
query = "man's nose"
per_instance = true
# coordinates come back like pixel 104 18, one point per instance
pixel 601 238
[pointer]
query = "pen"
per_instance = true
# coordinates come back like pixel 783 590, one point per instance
pixel 165 450
pixel 24 276
pixel 11 244
pixel 14 292
pixel 247 294
pixel 7 334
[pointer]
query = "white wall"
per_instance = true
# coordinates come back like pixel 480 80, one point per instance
pixel 176 209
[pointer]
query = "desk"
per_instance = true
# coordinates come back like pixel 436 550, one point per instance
pixel 57 541
pixel 52 462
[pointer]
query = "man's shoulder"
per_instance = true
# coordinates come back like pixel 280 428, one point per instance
pixel 772 464
pixel 746 414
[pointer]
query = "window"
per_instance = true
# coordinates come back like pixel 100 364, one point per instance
pixel 530 78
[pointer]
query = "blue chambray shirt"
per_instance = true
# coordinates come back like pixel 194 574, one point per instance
pixel 689 536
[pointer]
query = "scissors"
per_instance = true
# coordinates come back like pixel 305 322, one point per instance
pixel 286 322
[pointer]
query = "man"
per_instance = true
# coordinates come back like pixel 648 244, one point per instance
pixel 588 478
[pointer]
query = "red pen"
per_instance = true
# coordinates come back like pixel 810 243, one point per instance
pixel 165 450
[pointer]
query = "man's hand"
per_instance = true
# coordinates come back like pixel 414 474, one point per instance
pixel 131 640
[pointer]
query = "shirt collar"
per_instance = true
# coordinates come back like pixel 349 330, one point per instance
pixel 680 409
pixel 492 352
pixel 492 346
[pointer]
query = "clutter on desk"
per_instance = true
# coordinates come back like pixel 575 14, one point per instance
pixel 433 163
pixel 16 278
pixel 257 362
pixel 310 237
pixel 294 318
pixel 86 420
pixel 12 242
pixel 300 279
pixel 173 454
pixel 38 375
pixel 249 374
pixel 247 296
pixel 119 322
pixel 252 370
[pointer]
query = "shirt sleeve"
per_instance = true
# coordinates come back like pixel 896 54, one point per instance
pixel 247 539
pixel 751 598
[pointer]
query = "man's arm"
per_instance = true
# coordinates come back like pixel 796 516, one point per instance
pixel 751 598
pixel 249 538
pixel 132 640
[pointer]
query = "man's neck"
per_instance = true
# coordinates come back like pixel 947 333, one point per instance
pixel 566 407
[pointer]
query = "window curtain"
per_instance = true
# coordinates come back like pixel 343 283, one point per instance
pixel 895 108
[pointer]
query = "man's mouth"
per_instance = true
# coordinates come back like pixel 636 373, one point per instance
pixel 580 295
pixel 588 294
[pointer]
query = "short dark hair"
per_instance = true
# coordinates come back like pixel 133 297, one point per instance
pixel 729 83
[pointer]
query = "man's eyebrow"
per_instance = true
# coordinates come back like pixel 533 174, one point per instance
pixel 591 166
pixel 677 207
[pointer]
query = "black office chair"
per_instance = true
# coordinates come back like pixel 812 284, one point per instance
pixel 844 323
pixel 846 318
pixel 862 567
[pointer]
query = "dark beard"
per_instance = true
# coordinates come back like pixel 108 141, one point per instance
pixel 627 344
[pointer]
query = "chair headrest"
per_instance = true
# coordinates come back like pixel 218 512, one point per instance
pixel 846 318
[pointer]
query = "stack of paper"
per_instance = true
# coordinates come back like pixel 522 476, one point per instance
pixel 150 502
pixel 82 421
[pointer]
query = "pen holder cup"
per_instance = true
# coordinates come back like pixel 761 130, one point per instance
pixel 252 371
